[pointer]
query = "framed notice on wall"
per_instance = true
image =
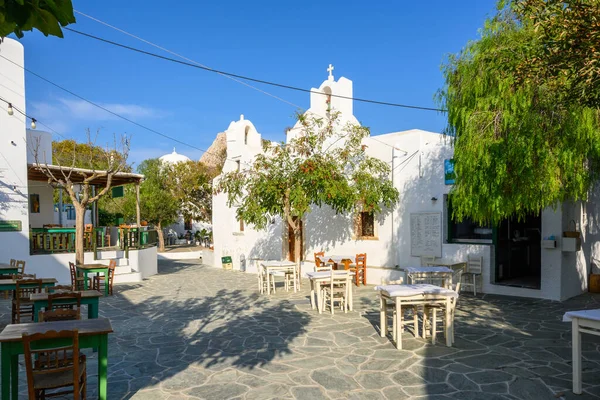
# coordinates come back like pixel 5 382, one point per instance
pixel 10 226
pixel 426 234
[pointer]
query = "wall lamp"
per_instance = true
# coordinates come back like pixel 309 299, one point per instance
pixel 434 198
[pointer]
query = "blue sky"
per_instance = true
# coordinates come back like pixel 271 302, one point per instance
pixel 391 50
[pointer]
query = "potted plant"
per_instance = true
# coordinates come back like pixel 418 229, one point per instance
pixel 198 237
pixel 188 237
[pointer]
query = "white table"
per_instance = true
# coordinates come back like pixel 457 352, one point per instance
pixel 447 263
pixel 584 321
pixel 316 279
pixel 430 273
pixel 345 260
pixel 420 294
pixel 285 266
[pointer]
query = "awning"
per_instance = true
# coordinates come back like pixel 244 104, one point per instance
pixel 78 175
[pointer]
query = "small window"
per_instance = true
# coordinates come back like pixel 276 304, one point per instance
pixel 246 135
pixel 366 226
pixel 238 165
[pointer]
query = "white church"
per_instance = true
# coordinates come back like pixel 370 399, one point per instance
pixel 528 258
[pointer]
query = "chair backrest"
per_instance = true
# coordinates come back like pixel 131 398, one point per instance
pixel 13 262
pixel 339 277
pixel 26 287
pixel 73 271
pixel 20 264
pixel 392 282
pixel 71 299
pixel 318 261
pixel 88 228
pixel 425 260
pixel 457 277
pixel 111 272
pixel 361 260
pixel 51 360
pixel 474 264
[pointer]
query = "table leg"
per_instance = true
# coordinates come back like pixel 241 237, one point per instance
pixel 14 375
pixel 319 301
pixel 36 310
pixel 85 280
pixel 103 367
pixel 398 324
pixel 93 309
pixel 382 316
pixel 433 325
pixel 576 344
pixel 106 283
pixel 268 281
pixel 350 296
pixel 5 374
pixel 296 277
pixel 312 294
pixel 448 323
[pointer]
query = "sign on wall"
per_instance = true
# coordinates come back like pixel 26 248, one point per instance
pixel 10 226
pixel 426 234
pixel 117 191
pixel 449 175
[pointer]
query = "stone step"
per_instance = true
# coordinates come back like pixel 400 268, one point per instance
pixel 130 277
pixel 123 269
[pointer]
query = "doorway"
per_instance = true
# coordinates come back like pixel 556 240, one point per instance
pixel 518 252
pixel 291 239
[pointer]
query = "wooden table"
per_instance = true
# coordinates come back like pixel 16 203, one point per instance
pixel 316 279
pixel 93 333
pixel 7 269
pixel 88 297
pixel 93 268
pixel 421 294
pixel 284 266
pixel 584 321
pixel 429 273
pixel 345 260
pixel 11 284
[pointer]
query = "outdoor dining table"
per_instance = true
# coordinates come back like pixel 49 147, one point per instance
pixel 88 297
pixel 91 268
pixel 447 263
pixel 337 260
pixel 93 333
pixel 284 266
pixel 430 274
pixel 316 279
pixel 7 269
pixel 11 284
pixel 420 294
pixel 583 321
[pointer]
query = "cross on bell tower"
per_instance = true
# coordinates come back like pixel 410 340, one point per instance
pixel 330 70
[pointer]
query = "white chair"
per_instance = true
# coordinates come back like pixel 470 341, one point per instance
pixel 474 269
pixel 337 290
pixel 427 260
pixel 456 278
pixel 391 305
pixel 262 282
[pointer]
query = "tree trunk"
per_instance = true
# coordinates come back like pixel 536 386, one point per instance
pixel 79 233
pixel 298 248
pixel 161 237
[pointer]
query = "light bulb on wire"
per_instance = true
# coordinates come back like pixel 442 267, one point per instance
pixel 10 109
pixel 33 125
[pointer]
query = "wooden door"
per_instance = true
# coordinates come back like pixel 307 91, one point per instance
pixel 291 237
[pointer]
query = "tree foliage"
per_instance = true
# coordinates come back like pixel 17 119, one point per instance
pixel 47 16
pixel 191 185
pixel 521 142
pixel 325 164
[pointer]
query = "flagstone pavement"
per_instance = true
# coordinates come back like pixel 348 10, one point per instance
pixel 197 332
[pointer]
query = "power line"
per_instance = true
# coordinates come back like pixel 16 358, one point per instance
pixel 280 85
pixel 31 118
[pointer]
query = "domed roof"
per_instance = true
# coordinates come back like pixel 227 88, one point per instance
pixel 174 158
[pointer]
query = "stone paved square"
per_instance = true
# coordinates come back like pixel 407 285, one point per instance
pixel 194 332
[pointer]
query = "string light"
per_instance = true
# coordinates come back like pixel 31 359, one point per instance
pixel 33 125
pixel 10 109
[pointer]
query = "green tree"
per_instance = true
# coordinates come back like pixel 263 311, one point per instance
pixel 158 206
pixel 325 164
pixel 520 143
pixel 47 16
pixel 191 185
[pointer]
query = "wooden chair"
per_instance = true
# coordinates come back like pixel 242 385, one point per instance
pixel 13 263
pixel 441 309
pixel 474 269
pixel 51 367
pixel 22 306
pixel 88 235
pixel 426 260
pixel 337 290
pixel 391 305
pixel 100 280
pixel 262 282
pixel 77 280
pixel 20 264
pixel 62 311
pixel 360 269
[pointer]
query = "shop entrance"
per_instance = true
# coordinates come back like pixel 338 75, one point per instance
pixel 518 252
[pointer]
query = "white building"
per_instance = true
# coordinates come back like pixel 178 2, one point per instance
pixel 183 225
pixel 516 260
pixel 26 200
